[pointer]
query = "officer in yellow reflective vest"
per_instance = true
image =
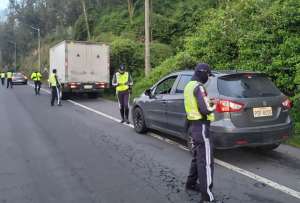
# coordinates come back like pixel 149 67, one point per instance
pixel 123 82
pixel 37 77
pixel 9 76
pixel 54 85
pixel 199 110
pixel 2 75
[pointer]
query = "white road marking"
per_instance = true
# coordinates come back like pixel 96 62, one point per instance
pixel 231 167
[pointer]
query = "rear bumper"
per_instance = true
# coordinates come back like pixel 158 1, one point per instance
pixel 82 88
pixel 225 138
pixel 19 82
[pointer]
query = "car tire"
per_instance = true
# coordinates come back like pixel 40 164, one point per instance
pixel 139 120
pixel 268 147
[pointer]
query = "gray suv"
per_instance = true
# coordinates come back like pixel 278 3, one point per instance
pixel 251 111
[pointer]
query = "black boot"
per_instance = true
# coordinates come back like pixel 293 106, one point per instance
pixel 127 116
pixel 193 187
pixel 122 115
pixel 214 201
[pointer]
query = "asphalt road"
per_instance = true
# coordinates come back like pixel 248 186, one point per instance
pixel 71 154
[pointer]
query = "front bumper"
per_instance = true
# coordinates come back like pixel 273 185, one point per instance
pixel 225 138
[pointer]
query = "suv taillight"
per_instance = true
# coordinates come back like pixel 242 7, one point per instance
pixel 228 106
pixel 288 104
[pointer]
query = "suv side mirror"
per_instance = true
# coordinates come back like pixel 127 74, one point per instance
pixel 148 93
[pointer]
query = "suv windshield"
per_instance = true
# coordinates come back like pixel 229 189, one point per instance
pixel 247 86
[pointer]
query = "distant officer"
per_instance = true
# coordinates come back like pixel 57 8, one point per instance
pixel 9 76
pixel 123 82
pixel 199 110
pixel 55 85
pixel 37 77
pixel 2 75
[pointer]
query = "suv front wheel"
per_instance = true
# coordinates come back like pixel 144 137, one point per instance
pixel 139 120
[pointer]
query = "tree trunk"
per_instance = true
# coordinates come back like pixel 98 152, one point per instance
pixel 86 19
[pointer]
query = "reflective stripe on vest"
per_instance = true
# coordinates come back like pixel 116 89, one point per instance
pixel 122 80
pixel 191 104
pixel 9 75
pixel 52 80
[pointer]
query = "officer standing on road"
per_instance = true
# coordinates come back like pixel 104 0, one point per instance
pixel 55 85
pixel 2 75
pixel 123 82
pixel 199 110
pixel 36 77
pixel 9 76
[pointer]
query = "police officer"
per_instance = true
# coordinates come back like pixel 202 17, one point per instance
pixel 2 75
pixel 122 80
pixel 199 110
pixel 9 76
pixel 55 85
pixel 36 77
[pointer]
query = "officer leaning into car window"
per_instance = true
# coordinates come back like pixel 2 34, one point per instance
pixel 199 110
pixel 9 76
pixel 36 76
pixel 55 86
pixel 2 75
pixel 123 82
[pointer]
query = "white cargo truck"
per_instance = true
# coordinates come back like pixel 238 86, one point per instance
pixel 82 67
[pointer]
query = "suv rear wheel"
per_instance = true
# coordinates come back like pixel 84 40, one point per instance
pixel 139 120
pixel 268 147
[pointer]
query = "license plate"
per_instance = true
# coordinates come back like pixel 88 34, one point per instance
pixel 262 112
pixel 88 87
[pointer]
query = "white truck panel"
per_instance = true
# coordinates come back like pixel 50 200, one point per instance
pixel 58 60
pixel 88 62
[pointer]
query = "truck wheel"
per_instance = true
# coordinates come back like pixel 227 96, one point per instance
pixel 93 95
pixel 268 147
pixel 139 121
pixel 65 96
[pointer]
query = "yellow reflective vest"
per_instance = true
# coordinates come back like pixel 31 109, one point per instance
pixel 122 80
pixel 52 80
pixel 9 75
pixel 191 104
pixel 36 76
pixel 2 75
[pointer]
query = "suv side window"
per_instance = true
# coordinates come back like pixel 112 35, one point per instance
pixel 184 80
pixel 165 86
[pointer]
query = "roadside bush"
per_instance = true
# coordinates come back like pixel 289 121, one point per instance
pixel 128 52
pixel 159 53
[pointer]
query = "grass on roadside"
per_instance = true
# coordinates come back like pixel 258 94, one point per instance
pixel 295 139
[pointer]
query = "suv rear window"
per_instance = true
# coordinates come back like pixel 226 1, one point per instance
pixel 247 86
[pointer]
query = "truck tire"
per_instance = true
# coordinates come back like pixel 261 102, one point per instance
pixel 65 95
pixel 93 95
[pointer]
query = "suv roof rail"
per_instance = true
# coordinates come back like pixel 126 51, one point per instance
pixel 234 71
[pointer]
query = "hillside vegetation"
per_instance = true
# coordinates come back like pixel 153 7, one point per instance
pixel 239 34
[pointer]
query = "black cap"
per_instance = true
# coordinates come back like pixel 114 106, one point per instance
pixel 203 68
pixel 122 67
